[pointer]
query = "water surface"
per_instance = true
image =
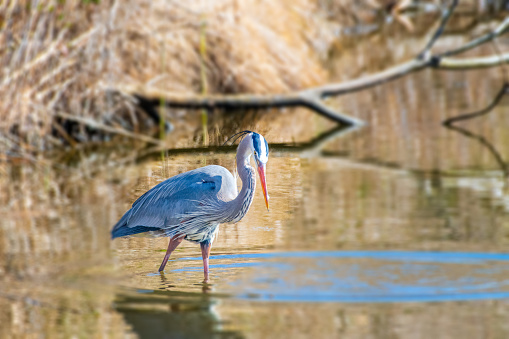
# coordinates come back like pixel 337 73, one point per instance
pixel 398 229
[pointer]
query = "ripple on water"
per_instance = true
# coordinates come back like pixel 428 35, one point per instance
pixel 360 276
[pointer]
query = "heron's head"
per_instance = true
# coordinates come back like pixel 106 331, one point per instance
pixel 260 151
pixel 254 144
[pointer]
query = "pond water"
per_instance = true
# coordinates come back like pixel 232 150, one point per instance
pixel 397 229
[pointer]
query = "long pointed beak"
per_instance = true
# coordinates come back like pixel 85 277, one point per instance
pixel 261 173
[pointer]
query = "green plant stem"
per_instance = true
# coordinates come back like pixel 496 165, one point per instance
pixel 204 84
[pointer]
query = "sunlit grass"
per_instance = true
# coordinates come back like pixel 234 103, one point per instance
pixel 68 57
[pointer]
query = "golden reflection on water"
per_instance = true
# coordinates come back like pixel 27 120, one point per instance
pixel 324 203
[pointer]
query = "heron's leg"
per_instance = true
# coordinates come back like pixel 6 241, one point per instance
pixel 174 242
pixel 205 253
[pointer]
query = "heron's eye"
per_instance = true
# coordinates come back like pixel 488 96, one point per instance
pixel 255 153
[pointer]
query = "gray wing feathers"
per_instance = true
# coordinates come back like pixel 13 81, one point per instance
pixel 180 199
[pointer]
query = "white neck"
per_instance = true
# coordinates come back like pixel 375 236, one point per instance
pixel 240 205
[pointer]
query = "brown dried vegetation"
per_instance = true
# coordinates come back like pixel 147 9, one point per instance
pixel 64 57
pixel 61 61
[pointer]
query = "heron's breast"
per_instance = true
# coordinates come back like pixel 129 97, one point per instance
pixel 204 234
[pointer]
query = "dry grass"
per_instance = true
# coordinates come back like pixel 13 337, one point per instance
pixel 58 54
pixel 62 57
pixel 252 46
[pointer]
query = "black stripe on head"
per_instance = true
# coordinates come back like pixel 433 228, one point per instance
pixel 257 142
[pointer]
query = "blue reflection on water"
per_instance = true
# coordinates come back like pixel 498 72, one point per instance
pixel 440 257
pixel 365 276
pixel 373 298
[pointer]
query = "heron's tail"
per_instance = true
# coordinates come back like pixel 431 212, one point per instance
pixel 122 228
pixel 123 231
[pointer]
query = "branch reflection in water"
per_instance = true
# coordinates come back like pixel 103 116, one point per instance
pixel 450 124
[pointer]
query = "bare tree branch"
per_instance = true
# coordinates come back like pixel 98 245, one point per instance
pixel 472 63
pixel 501 29
pixel 307 98
pixel 445 18
pixel 372 79
pixel 312 97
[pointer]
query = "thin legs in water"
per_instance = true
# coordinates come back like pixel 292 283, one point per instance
pixel 174 242
pixel 205 253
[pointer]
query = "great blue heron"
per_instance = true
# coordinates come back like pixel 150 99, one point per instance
pixel 191 205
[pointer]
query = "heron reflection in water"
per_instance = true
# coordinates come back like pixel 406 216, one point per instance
pixel 191 205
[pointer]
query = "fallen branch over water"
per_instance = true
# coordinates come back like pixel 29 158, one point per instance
pixel 307 98
pixel 312 98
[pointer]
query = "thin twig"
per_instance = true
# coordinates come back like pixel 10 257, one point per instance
pixel 445 18
pixel 64 133
pixel 105 128
pixel 501 29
